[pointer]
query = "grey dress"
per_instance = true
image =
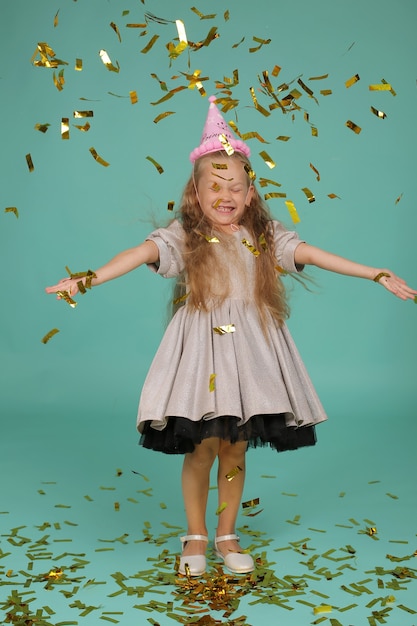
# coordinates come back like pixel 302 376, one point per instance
pixel 217 373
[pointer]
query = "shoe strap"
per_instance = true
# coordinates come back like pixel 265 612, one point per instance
pixel 193 538
pixel 226 538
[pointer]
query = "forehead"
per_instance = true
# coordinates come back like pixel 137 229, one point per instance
pixel 223 168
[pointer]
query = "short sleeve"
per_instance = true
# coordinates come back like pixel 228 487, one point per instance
pixel 286 241
pixel 170 243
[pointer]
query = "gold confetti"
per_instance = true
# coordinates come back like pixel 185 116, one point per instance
pixel 323 608
pixel 162 116
pixel 30 163
pixel 42 127
pixel 380 87
pixel 399 198
pixel 171 204
pixel 267 181
pixel 201 15
pixel 107 62
pixel 380 114
pixel 332 196
pixel 226 145
pixel 352 81
pixel 82 114
pixel 133 97
pixel 221 508
pixel 59 81
pixel 64 295
pixel 262 241
pixel 309 194
pixel 56 19
pixel 47 56
pixel 65 128
pixel 78 65
pixel 292 211
pixel 117 506
pixel 314 131
pixel 250 247
pixel 326 92
pixel 356 129
pixel 150 44
pixel 210 239
pixel 116 30
pixel 233 473
pixel 250 503
pixel 212 383
pixel 258 107
pixel 98 158
pixel 49 335
pixel 283 138
pixel 180 299
pixel 158 167
pixel 274 194
pixel 315 171
pixel 219 166
pixel 223 330
pixel 261 42
pixel 12 209
pixel 83 127
pixel 270 163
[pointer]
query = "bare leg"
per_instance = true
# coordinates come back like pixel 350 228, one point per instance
pixel 230 491
pixel 195 486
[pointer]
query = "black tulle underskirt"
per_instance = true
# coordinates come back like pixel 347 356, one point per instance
pixel 181 435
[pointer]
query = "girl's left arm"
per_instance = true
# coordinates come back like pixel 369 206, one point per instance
pixel 310 255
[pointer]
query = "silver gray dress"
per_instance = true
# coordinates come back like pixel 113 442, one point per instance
pixel 216 373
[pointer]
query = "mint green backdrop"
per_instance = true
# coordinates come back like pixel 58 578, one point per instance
pixel 80 390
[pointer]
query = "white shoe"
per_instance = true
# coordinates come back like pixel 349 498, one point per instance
pixel 236 562
pixel 195 564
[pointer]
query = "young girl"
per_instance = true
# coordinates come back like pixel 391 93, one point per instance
pixel 227 374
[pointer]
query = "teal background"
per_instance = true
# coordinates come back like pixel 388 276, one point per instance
pixel 68 408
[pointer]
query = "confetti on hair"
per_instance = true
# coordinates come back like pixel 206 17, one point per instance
pixel 12 209
pixel 250 247
pixel 356 129
pixel 351 81
pixel 156 164
pixel 98 158
pixel 274 194
pixel 49 335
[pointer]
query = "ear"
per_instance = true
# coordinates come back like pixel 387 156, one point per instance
pixel 249 195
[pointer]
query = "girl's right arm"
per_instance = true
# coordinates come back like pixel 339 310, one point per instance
pixel 122 263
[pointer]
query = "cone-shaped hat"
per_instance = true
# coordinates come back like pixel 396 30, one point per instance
pixel 217 135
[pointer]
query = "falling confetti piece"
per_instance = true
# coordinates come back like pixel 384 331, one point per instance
pixel 42 127
pixel 107 62
pixel 49 335
pixel 78 65
pixel 12 209
pixel 356 129
pixel 309 194
pixel 292 211
pixel 315 171
pixel 162 116
pixel 133 97
pixel 399 198
pixel 378 113
pixel 352 81
pixel 116 30
pixel 270 162
pixel 98 158
pixel 156 164
pixel 30 163
pixel 65 128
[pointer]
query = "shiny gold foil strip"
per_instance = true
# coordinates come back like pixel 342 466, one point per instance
pixel 380 114
pixel 65 128
pixel 56 19
pixel 59 81
pixel 215 187
pixel 226 144
pixel 262 242
pixel 108 63
pixel 212 384
pixel 136 25
pixel 399 198
pixel 315 170
pixel 314 131
pixel 150 44
pixel 257 106
pixel 274 194
pixel 276 70
pixel 133 97
pixel 98 158
pixel 180 299
pixel 322 77
pixel 171 204
pixel 292 211
pixel 249 171
pixel 261 42
pixel 81 114
pixel 265 156
pixel 267 181
pixel 201 15
pixel 332 196
pixel 49 335
pixel 162 116
pixel 78 65
pixel 326 92
pixel 233 473
pixel 116 30
pixel 221 508
pixel 224 330
pixel 12 209
pixel 384 82
pixel 356 129
pixel 64 295
pixel 250 503
pixel 156 164
pixel 309 194
pixel 250 247
pixel 351 81
pixel 283 138
pixel 380 87
pixel 169 95
pixel 30 163
pixel 209 238
pixel 42 127
pixel 83 127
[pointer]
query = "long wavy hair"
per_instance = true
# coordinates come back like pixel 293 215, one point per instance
pixel 200 255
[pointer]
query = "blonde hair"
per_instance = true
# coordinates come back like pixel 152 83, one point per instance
pixel 199 254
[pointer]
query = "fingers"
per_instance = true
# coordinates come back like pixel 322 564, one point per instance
pixel 398 287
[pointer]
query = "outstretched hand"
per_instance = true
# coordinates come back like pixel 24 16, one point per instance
pixel 396 285
pixel 68 285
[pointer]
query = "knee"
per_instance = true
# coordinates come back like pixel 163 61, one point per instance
pixel 204 453
pixel 233 453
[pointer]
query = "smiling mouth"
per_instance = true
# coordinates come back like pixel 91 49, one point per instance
pixel 225 209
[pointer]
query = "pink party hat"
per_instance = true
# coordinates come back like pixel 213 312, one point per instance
pixel 217 135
